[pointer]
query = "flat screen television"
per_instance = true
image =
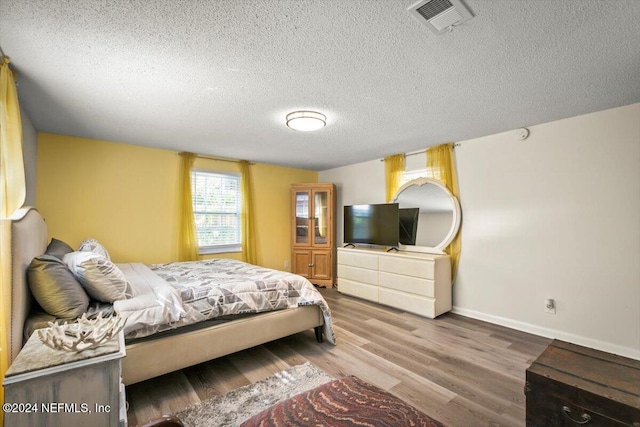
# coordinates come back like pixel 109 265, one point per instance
pixel 408 225
pixel 372 224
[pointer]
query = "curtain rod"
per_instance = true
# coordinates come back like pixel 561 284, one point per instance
pixel 415 153
pixel 220 159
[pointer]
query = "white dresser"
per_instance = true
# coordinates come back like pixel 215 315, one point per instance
pixel 415 282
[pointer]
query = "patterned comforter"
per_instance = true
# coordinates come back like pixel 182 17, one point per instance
pixel 224 287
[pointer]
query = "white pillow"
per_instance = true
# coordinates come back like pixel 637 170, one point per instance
pixel 100 278
pixel 92 245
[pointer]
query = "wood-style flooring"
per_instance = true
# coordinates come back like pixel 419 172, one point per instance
pixel 460 371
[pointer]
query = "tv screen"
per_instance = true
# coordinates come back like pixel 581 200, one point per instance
pixel 371 224
pixel 408 227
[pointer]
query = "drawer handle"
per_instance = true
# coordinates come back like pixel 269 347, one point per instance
pixel 584 418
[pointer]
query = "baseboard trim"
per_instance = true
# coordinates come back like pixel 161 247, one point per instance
pixel 549 333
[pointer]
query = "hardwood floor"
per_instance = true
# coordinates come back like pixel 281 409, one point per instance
pixel 460 371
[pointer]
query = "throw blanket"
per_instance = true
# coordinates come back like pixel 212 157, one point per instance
pixel 153 301
pixel 212 289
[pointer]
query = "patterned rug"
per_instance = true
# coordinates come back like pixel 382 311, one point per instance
pixel 347 401
pixel 241 404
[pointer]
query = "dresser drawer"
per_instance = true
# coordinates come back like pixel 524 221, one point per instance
pixel 412 303
pixel 358 274
pixel 358 289
pixel 413 285
pixel 407 266
pixel 358 259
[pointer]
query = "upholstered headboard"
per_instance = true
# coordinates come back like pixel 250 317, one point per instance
pixel 23 236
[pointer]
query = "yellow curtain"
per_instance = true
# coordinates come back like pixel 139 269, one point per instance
pixel 12 181
pixel 12 194
pixel 188 244
pixel 441 165
pixel 393 171
pixel 248 235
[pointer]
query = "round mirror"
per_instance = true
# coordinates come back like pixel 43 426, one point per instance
pixel 429 216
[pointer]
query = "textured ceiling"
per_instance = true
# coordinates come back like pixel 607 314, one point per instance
pixel 218 77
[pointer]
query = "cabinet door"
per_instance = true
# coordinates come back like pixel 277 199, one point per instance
pixel 321 219
pixel 301 263
pixel 321 265
pixel 302 200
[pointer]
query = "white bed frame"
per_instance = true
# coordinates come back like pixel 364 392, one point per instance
pixel 24 236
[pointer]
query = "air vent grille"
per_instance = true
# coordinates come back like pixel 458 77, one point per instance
pixel 440 15
pixel 433 8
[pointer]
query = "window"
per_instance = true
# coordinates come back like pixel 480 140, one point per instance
pixel 217 209
pixel 416 168
pixel 413 174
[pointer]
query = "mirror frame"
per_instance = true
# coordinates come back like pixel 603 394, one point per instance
pixel 455 223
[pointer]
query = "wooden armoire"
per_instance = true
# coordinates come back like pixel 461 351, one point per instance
pixel 313 244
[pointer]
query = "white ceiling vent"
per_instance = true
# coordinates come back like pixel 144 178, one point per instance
pixel 440 15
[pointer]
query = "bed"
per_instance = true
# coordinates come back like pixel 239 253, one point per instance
pixel 24 235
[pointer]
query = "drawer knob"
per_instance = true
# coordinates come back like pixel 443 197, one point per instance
pixel 584 418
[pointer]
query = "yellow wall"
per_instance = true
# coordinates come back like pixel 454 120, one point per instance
pixel 126 197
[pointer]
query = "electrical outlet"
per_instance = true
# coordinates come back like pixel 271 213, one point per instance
pixel 550 306
pixel 286 264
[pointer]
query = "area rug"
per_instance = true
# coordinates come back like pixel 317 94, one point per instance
pixel 347 401
pixel 241 404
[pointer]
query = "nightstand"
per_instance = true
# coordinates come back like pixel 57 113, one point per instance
pixel 46 387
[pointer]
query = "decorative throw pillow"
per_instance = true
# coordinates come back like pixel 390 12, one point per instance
pixel 55 288
pixel 101 278
pixel 58 248
pixel 92 245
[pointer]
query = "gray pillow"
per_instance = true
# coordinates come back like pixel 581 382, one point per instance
pixel 55 288
pixel 101 278
pixel 58 248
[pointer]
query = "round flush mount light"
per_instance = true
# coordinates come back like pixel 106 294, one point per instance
pixel 306 120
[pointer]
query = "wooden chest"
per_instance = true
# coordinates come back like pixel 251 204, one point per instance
pixel 570 385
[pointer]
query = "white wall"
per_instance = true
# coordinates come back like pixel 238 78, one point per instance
pixel 554 216
pixel 29 153
pixel 358 184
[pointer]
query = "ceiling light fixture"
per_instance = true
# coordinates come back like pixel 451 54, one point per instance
pixel 306 120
